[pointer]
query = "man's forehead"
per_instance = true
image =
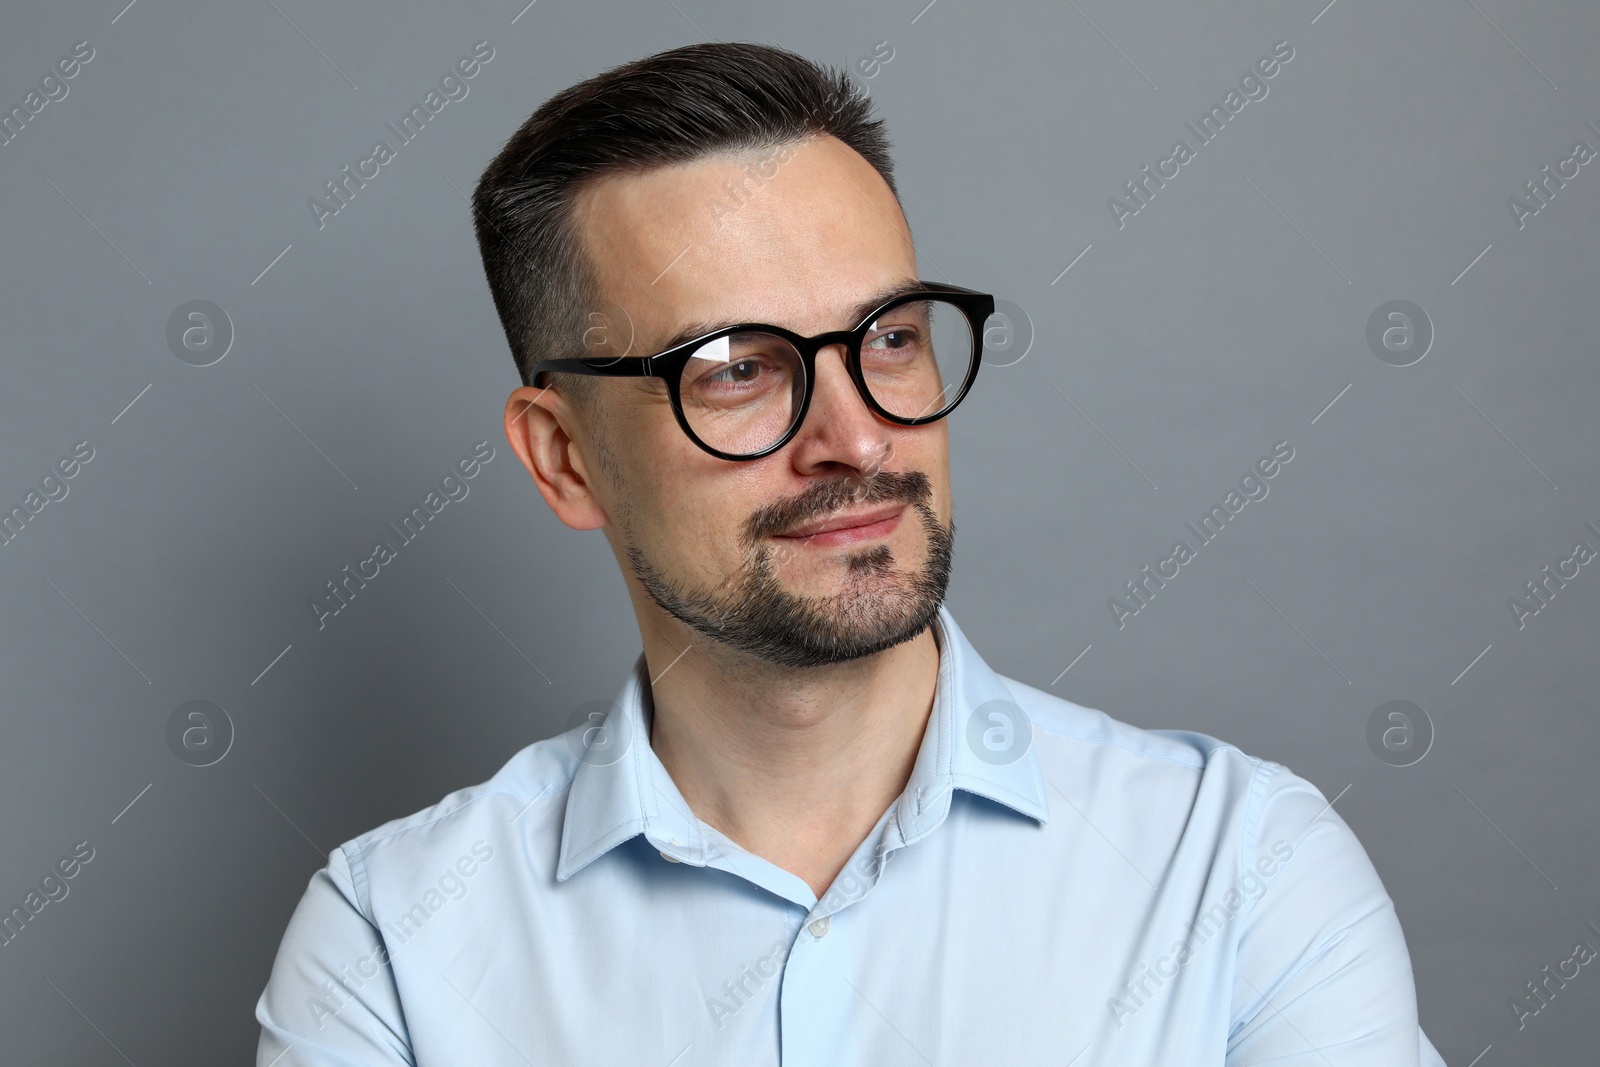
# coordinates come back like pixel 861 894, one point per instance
pixel 792 235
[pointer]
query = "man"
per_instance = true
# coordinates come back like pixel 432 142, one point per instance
pixel 814 828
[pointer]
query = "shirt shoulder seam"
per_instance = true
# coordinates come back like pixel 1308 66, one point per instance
pixel 1219 747
pixel 364 842
pixel 1255 804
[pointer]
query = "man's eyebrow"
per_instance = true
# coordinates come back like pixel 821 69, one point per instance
pixel 854 314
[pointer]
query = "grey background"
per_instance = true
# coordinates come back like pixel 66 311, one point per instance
pixel 1226 316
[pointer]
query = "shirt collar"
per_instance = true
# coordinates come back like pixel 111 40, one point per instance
pixel 972 742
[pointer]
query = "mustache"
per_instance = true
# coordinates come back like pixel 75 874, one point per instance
pixel 823 498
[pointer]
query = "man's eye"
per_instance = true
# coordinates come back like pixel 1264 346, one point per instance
pixel 744 377
pixel 744 370
pixel 891 340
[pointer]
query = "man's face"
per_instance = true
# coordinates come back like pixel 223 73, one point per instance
pixel 799 241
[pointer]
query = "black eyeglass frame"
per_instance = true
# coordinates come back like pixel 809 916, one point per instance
pixel 669 364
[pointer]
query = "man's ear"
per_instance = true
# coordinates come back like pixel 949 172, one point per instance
pixel 539 424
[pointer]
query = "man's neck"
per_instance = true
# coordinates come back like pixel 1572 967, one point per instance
pixel 795 766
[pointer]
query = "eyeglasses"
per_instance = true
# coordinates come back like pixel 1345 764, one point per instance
pixel 741 392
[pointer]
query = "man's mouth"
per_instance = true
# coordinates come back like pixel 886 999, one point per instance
pixel 849 527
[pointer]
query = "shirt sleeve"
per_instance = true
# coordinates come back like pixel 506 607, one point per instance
pixel 1323 977
pixel 331 1000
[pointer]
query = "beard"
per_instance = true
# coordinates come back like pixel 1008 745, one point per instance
pixel 879 607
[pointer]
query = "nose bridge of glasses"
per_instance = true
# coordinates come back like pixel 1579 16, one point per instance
pixel 839 343
pixel 840 339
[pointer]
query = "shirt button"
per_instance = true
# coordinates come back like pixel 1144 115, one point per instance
pixel 670 858
pixel 819 928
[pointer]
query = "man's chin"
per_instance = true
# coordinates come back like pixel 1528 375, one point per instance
pixel 830 630
pixel 822 609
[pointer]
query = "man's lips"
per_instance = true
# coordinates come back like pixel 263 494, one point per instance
pixel 849 526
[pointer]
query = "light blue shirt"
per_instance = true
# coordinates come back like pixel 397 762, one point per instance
pixel 1052 887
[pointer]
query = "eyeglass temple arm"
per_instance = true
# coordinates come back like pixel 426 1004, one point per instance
pixel 620 367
